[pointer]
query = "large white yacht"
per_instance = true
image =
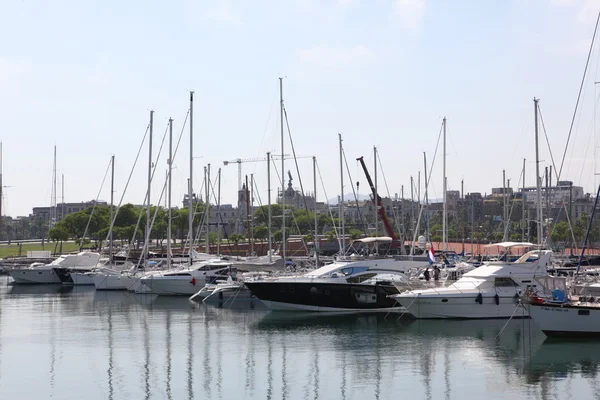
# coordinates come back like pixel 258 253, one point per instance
pixel 48 273
pixel 489 291
pixel 188 281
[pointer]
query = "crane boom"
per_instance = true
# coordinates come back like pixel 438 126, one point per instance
pixel 376 199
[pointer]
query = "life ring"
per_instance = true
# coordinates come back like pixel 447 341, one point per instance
pixel 193 282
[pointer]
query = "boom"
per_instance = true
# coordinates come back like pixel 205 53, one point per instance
pixel 376 199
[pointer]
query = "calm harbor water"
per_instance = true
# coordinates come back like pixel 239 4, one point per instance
pixel 59 343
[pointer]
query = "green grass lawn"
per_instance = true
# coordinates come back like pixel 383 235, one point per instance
pixel 12 249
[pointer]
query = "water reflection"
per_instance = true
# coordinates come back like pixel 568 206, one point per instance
pixel 110 356
pixel 169 344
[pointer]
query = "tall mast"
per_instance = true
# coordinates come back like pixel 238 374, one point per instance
pixel 219 214
pixel 343 222
pixel 426 206
pixel 269 233
pixel 112 193
pixel 504 222
pixel 523 220
pixel 462 212
pixel 537 175
pixel 283 240
pixel 53 212
pixel 190 182
pixel 445 213
pixel 169 255
pixel 248 228
pixel 207 209
pixel 316 237
pixel 251 204
pixel 375 217
pixel 62 187
pixel 149 185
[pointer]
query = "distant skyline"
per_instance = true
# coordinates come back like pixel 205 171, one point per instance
pixel 84 77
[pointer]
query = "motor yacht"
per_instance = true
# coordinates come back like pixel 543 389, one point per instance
pixel 338 287
pixel 47 273
pixel 489 291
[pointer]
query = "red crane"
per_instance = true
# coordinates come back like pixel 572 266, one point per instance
pixel 376 199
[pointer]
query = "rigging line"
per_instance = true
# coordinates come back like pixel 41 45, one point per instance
pixel 295 159
pixel 394 211
pixel 94 207
pixel 557 176
pixel 262 140
pixel 579 95
pixel 360 216
pixel 329 208
pixel 512 206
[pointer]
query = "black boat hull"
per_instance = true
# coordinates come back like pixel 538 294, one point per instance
pixel 325 297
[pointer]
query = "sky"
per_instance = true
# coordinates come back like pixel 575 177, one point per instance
pixel 83 76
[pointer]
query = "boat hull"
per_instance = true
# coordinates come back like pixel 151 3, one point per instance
pixel 79 279
pixel 463 307
pixel 111 282
pixel 34 276
pixel 173 285
pixel 325 297
pixel 566 320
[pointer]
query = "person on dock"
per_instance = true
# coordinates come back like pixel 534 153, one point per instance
pixel 426 274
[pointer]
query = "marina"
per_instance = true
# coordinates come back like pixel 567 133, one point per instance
pixel 331 199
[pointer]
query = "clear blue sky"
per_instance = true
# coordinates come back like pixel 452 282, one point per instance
pixel 83 76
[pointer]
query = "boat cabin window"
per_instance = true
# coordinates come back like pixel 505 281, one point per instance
pixel 361 278
pixel 505 282
pixel 353 270
pixel 180 274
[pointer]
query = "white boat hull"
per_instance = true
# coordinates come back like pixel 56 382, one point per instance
pixel 111 282
pixel 82 279
pixel 462 307
pixel 37 276
pixel 566 321
pixel 173 285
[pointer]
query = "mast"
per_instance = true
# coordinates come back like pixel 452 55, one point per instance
pixel 343 222
pixel 412 208
pixel 269 233
pixel 426 198
pixel 112 193
pixel 251 203
pixel 54 207
pixel 283 240
pixel 445 213
pixel 504 225
pixel 462 212
pixel 248 228
pixel 219 214
pixel 149 185
pixel 169 194
pixel 207 209
pixel 375 217
pixel 523 220
pixel 62 186
pixel 537 175
pixel 191 180
pixel 316 238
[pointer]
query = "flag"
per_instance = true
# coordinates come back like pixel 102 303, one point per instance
pixel 431 255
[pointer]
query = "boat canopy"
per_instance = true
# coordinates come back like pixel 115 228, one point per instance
pixel 380 239
pixel 508 245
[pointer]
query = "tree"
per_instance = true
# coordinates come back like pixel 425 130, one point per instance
pixel 261 232
pixel 58 234
pixel 355 234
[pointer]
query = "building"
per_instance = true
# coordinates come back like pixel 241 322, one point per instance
pixel 62 210
pixel 564 192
